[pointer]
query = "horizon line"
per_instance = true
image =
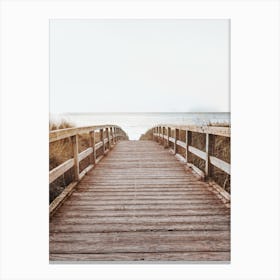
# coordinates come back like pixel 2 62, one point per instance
pixel 169 112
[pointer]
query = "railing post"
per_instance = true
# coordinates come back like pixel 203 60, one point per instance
pixel 112 133
pixel 109 138
pixel 168 135
pixel 102 139
pixel 209 151
pixel 164 140
pixel 75 146
pixel 188 143
pixel 157 134
pixel 160 140
pixel 175 141
pixel 92 144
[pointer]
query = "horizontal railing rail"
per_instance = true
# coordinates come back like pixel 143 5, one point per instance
pixel 109 135
pixel 163 135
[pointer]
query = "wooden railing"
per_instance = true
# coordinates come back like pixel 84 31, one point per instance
pixel 108 136
pixel 162 134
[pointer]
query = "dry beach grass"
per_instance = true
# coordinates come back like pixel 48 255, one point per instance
pixel 59 152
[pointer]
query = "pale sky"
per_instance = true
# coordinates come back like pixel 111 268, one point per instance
pixel 139 65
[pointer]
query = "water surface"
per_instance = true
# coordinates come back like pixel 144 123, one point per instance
pixel 136 124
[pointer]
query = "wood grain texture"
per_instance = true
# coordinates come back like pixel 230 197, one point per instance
pixel 221 131
pixel 129 257
pixel 59 134
pixel 60 170
pixel 140 204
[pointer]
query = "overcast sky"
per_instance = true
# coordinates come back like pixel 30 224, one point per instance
pixel 139 66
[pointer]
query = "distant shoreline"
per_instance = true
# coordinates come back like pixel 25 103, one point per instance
pixel 123 113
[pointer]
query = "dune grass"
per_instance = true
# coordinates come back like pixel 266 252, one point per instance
pixel 60 151
pixel 148 135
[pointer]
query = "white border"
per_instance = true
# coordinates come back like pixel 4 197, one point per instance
pixel 24 138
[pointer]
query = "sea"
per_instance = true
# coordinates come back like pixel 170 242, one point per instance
pixel 136 124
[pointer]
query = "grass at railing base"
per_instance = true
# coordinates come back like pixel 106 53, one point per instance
pixel 59 152
pixel 148 135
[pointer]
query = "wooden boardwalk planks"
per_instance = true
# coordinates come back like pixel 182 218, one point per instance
pixel 139 204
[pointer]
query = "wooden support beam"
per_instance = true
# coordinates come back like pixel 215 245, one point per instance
pixel 60 170
pixel 207 161
pixel 112 134
pixel 109 138
pixel 197 152
pixel 85 153
pixel 181 144
pixel 92 144
pixel 75 146
pixel 209 149
pixel 188 143
pixel 220 164
pixel 176 137
pixel 157 134
pixel 164 140
pixel 168 135
pixel 102 138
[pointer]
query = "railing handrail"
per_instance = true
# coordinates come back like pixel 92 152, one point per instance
pixel 108 136
pixel 215 130
pixel 162 134
pixel 59 134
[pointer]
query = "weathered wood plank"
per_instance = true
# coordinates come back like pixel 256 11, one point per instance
pixel 140 202
pixel 85 171
pixel 75 145
pixel 220 190
pixel 127 197
pixel 60 170
pixel 98 145
pixel 215 130
pixel 196 170
pixel 213 200
pixel 85 154
pixel 140 236
pixel 57 202
pixel 147 245
pixel 220 164
pixel 141 213
pixel 109 220
pixel 197 152
pixel 139 227
pixel 128 256
pixel 59 134
pixel 141 192
pixel 181 144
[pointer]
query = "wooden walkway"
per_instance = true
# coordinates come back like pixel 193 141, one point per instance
pixel 139 203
